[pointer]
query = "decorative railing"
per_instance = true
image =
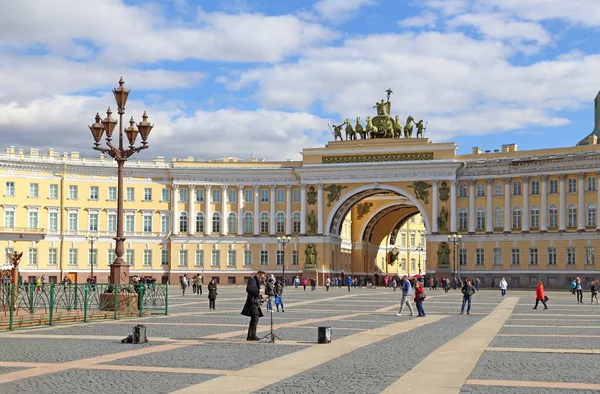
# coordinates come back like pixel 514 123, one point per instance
pixel 21 230
pixel 29 305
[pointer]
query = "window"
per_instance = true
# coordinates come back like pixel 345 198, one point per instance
pixel 183 222
pixel 516 218
pixel 571 185
pixel 73 220
pixel 480 189
pixel 412 265
pixel 53 221
pixel 111 256
pixel 498 189
pixel 147 258
pixel 147 194
pixel 9 218
pixel 403 264
pixel 515 256
pixel 296 222
pixel 279 258
pixel 264 222
pixel 232 223
pixel 183 258
pixel 7 251
pixel 52 256
pixel 112 222
pixel 9 189
pixel 129 223
pixel 165 195
pixel 462 219
pixel 93 257
pixel 248 195
pixel 199 195
pixel 216 195
pixel 591 184
pixel 296 195
pixel 53 192
pixel 572 215
pixel 33 219
pixel 130 257
pixel 516 188
pixel 462 190
pixel 34 190
pixel 480 219
pixel 591 215
pixel 164 257
pixel 147 224
pixel 183 195
pixel 199 258
pixel 462 256
pixel 129 194
pixel 215 258
pixel 32 256
pixel 112 193
pixel 497 256
pixel 264 257
pixel 93 222
pixel 479 256
pixel 72 257
pixel 248 258
pixel 295 257
pixel 551 256
pixel 248 223
pixel 73 192
pixel 94 192
pixel 590 257
pixel 200 222
pixel 231 258
pixel 535 187
pixel 264 195
pixel 553 186
pixel 553 216
pixel 535 217
pixel 403 240
pixel 533 256
pixel 232 195
pixel 413 240
pixel 216 222
pixel 280 195
pixel 570 255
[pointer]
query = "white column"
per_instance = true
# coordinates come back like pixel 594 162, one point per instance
pixel 453 212
pixel 224 221
pixel 207 211
pixel 240 229
pixel 192 217
pixel 256 209
pixel 507 205
pixel 544 209
pixel 434 209
pixel 562 219
pixel 288 209
pixel 489 215
pixel 471 206
pixel 303 209
pixel 598 202
pixel 272 210
pixel 175 210
pixel 581 202
pixel 320 209
pixel 525 212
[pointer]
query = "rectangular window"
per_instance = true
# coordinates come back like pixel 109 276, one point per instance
pixel 231 258
pixel 535 218
pixel 553 217
pixel 73 219
pixel 462 190
pixel 9 219
pixel 553 186
pixel 403 240
pixel 279 258
pixel 165 195
pixel 183 258
pixel 516 188
pixel 551 256
pixel 199 197
pixel 53 192
pixel 590 256
pixel 570 255
pixel 129 223
pixel 94 192
pixel 32 256
pixel 165 223
pixel 296 194
pixel 264 257
pixel 112 193
pixel 111 256
pixel 480 220
pixel 479 256
pixel 533 256
pixel 183 195
pixel 130 194
pixel 93 222
pixel 52 256
pixel 232 196
pixel 462 256
pixel 147 258
pixel 112 222
pixel 72 257
pixel 147 224
pixel 515 258
pixel 34 190
pixel 73 192
pixel 215 258
pixel 147 194
pixel 516 219
pixel 280 195
pixel 535 187
pixel 295 258
pixel 248 195
pixel 480 189
pixel 248 258
pixel 591 216
pixel 413 239
pixel 498 189
pixel 571 185
pixel 264 195
pixel 199 258
pixel 9 189
pixel 130 257
pixel 33 219
pixel 93 257
pixel 216 195
pixel 591 184
pixel 462 220
pixel 164 257
pixel 497 256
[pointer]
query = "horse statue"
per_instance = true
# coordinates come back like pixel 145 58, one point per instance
pixel 337 132
pixel 397 127
pixel 350 133
pixel 359 129
pixel 409 127
pixel 371 130
pixel 387 128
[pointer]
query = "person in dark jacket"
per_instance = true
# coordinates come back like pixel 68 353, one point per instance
pixel 279 296
pixel 253 302
pixel 212 294
pixel 468 290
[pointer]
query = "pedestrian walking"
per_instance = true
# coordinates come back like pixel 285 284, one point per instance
pixel 540 296
pixel 349 282
pixel 468 290
pixel 304 283
pixel 313 284
pixel 327 283
pixel 573 286
pixel 199 284
pixel 184 283
pixel 270 293
pixel 419 298
pixel 279 296
pixel 503 285
pixel 579 290
pixel 594 290
pixel 212 294
pixel 296 282
pixel 252 305
pixel 406 293
pixel 394 284
pixel 193 281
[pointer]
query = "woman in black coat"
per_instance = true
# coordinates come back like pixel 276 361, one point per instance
pixel 212 294
pixel 252 305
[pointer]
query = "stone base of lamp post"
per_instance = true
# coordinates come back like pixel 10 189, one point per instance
pixel 119 274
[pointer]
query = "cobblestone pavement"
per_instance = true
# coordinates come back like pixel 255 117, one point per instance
pixel 195 350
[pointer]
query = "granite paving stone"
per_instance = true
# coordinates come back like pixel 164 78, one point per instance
pixel 546 343
pixel 10 369
pixel 475 389
pixel 551 330
pixel 555 322
pixel 308 334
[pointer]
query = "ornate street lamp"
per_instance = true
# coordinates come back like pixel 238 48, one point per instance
pixel 454 239
pixel 420 249
pixel 283 242
pixel 91 238
pixel 119 270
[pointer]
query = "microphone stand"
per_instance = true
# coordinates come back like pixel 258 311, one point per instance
pixel 270 337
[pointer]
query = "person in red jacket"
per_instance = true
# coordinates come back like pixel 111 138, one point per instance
pixel 540 296
pixel 419 297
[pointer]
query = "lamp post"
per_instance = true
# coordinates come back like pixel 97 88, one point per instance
pixel 119 270
pixel 420 249
pixel 283 242
pixel 91 238
pixel 454 239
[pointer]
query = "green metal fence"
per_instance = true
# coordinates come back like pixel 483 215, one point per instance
pixel 28 305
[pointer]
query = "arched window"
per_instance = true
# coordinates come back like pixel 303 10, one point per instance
pixel 534 217
pixel 480 219
pixel 248 223
pixel 552 216
pixel 264 222
pixel 183 222
pixel 216 222
pixel 296 222
pixel 200 222
pixel 516 218
pixel 498 217
pixel 572 215
pixel 280 222
pixel 462 219
pixel 591 214
pixel 232 223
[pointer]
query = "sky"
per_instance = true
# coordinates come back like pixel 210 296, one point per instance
pixel 264 78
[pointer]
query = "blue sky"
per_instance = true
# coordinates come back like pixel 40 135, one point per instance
pixel 265 77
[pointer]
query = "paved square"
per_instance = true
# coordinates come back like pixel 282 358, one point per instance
pixel 503 346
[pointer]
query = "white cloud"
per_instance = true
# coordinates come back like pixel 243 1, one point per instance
pixel 340 10
pixel 425 20
pixel 585 12
pixel 498 26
